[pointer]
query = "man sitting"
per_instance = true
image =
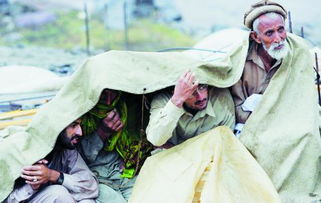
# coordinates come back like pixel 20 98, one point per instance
pixel 191 110
pixel 208 164
pixel 113 146
pixel 62 176
pixel 268 47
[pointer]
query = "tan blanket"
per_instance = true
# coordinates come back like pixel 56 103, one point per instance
pixel 283 132
pixel 133 72
pixel 233 175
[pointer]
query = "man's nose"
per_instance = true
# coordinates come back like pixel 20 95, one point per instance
pixel 277 38
pixel 199 95
pixel 79 131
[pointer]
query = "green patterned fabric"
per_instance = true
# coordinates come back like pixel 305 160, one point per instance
pixel 91 119
pixel 132 147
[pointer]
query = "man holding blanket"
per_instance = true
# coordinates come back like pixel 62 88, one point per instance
pixel 276 99
pixel 267 48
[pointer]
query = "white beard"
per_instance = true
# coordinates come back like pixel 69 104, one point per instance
pixel 277 54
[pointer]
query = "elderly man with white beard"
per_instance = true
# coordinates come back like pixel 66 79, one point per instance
pixel 268 46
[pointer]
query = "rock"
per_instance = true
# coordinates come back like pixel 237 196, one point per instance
pixel 25 79
pixel 35 19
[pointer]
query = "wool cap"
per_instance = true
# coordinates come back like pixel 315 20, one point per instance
pixel 260 8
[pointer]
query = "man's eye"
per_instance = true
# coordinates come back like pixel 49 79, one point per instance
pixel 202 87
pixel 269 33
pixel 281 29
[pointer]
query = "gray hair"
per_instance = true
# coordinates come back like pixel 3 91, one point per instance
pixel 271 15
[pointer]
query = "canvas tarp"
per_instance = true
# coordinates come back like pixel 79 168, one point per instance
pixel 173 175
pixel 283 131
pixel 133 72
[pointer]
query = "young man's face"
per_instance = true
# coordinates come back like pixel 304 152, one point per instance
pixel 199 99
pixel 71 135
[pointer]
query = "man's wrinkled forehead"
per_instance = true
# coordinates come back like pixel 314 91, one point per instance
pixel 269 20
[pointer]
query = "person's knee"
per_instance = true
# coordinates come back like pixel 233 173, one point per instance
pixel 58 190
pixel 58 193
pixel 107 194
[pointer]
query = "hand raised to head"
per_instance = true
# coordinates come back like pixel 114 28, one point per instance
pixel 184 88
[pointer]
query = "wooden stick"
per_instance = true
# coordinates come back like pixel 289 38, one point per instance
pixel 318 76
pixel 15 122
pixel 17 113
pixel 125 25
pixel 302 32
pixel 290 22
pixel 87 29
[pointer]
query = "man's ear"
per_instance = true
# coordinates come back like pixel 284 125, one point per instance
pixel 255 37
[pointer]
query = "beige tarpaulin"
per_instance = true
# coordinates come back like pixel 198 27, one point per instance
pixel 283 132
pixel 233 175
pixel 133 72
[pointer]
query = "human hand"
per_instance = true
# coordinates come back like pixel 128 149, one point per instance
pixel 42 161
pixel 113 121
pixel 39 174
pixel 184 88
pixel 36 186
